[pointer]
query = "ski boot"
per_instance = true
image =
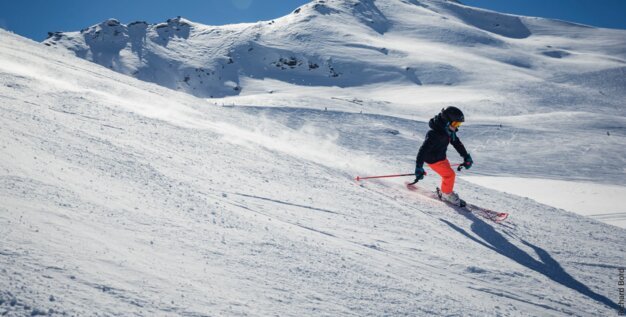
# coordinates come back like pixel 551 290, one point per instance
pixel 451 198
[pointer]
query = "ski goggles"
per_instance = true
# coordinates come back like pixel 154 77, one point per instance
pixel 456 124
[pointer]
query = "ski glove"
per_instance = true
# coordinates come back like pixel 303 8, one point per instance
pixel 468 162
pixel 419 173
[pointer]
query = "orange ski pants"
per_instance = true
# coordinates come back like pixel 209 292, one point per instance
pixel 447 174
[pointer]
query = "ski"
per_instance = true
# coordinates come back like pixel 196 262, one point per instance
pixel 492 215
pixel 489 214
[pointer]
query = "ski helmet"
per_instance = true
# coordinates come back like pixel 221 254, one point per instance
pixel 453 114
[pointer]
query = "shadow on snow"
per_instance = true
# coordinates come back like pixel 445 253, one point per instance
pixel 548 266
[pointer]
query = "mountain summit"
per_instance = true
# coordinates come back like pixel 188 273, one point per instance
pixel 348 43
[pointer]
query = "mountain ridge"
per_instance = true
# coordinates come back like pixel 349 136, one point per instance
pixel 358 48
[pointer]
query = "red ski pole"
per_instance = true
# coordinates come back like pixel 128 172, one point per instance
pixel 359 178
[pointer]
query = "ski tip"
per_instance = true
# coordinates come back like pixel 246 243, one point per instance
pixel 501 216
pixel 358 178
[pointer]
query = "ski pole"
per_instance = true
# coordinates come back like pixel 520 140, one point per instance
pixel 359 178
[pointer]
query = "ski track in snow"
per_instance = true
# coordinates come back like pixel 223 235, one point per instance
pixel 121 197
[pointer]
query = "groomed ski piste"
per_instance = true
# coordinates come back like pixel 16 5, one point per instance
pixel 123 197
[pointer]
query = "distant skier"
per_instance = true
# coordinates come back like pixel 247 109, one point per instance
pixel 443 129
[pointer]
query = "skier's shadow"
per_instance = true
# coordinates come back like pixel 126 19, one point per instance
pixel 547 266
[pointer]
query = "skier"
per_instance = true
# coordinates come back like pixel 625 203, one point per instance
pixel 443 129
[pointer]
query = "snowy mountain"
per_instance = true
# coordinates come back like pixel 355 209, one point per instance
pixel 350 43
pixel 525 82
pixel 123 197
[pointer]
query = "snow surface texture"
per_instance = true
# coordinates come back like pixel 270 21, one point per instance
pixel 121 197
pixel 602 202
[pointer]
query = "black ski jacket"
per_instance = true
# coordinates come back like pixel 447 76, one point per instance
pixel 436 143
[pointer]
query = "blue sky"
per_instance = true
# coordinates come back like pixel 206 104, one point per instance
pixel 34 18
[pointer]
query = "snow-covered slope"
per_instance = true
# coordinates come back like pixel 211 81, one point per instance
pixel 599 201
pixel 120 197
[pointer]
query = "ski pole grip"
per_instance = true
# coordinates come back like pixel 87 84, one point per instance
pixel 417 179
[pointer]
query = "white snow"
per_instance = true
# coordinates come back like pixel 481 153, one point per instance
pixel 119 196
pixel 606 203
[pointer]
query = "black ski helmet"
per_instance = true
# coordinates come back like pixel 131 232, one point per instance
pixel 453 114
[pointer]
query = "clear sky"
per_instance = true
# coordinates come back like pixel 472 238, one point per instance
pixel 34 18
